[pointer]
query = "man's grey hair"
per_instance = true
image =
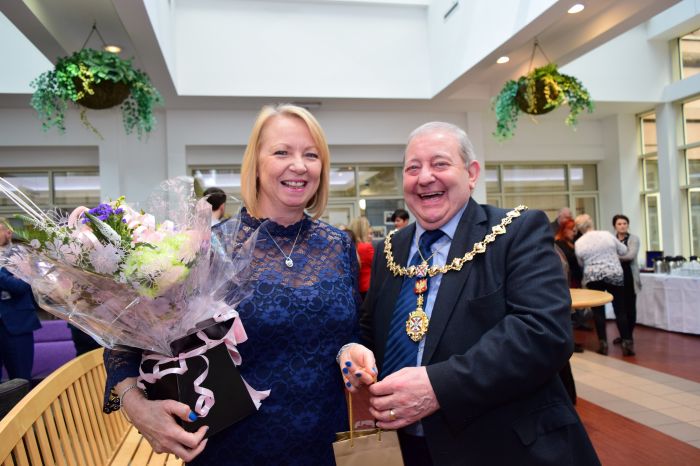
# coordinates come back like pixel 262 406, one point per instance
pixel 466 149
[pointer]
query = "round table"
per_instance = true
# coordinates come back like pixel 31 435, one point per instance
pixel 581 297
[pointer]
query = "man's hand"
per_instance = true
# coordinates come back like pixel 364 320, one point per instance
pixel 358 367
pixel 402 398
pixel 155 420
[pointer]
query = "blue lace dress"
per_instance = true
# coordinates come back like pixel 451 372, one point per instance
pixel 296 320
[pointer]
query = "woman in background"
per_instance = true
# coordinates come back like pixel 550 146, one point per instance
pixel 564 238
pixel 599 252
pixel 363 235
pixel 630 270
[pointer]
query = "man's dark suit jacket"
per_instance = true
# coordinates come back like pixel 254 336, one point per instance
pixel 499 333
pixel 18 313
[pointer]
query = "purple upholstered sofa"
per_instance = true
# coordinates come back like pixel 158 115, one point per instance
pixel 53 347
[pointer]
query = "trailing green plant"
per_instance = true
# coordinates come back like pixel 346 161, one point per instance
pixel 78 78
pixel 542 90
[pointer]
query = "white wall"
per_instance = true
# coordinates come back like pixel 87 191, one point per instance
pixel 19 56
pixel 310 49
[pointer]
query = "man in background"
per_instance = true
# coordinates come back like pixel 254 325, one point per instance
pixel 563 215
pixel 18 318
pixel 217 198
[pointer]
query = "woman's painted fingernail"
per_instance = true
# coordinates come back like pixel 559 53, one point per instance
pixel 374 369
pixel 192 416
pixel 348 363
pixel 358 374
pixel 348 384
pixel 345 370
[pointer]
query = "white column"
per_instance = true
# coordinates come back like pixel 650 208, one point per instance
pixel 667 115
pixel 475 131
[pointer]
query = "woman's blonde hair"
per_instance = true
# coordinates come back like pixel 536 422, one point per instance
pixel 249 168
pixel 360 228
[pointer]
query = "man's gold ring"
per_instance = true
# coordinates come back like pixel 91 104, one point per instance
pixel 392 415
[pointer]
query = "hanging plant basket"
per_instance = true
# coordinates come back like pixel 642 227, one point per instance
pixel 540 91
pixel 106 94
pixel 544 94
pixel 97 80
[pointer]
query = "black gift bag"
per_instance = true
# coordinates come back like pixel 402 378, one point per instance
pixel 232 401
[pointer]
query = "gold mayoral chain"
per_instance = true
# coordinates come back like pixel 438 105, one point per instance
pixel 417 322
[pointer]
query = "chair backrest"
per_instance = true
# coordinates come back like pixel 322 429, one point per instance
pixel 10 393
pixel 60 422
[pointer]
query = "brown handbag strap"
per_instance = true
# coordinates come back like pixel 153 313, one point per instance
pixel 348 399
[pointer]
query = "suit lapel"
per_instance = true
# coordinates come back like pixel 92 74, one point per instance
pixel 400 246
pixel 471 229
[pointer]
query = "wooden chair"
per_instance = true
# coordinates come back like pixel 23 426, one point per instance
pixel 61 422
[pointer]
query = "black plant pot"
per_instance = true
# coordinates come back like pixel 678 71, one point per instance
pixel 107 94
pixel 540 100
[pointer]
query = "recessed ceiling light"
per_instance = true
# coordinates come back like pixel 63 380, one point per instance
pixel 577 8
pixel 112 48
pixel 502 60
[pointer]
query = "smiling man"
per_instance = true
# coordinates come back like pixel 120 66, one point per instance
pixel 467 316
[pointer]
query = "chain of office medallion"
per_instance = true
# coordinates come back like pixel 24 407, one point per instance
pixel 457 262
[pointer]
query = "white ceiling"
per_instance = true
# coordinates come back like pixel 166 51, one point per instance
pixel 223 54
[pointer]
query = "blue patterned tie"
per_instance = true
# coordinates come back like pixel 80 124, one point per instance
pixel 401 351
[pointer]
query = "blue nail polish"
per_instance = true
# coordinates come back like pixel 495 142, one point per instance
pixel 345 370
pixel 192 416
pixel 374 369
pixel 348 384
pixel 358 374
pixel 348 363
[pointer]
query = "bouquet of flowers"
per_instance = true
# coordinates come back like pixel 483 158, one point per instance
pixel 140 278
pixel 131 277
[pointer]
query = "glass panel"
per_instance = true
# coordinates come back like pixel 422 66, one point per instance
pixel 76 188
pixel 492 184
pixel 338 214
pixel 653 217
pixel 691 115
pixel 586 205
pixel 534 178
pixel 651 174
pixel 228 179
pixel 378 212
pixel 342 182
pixel 649 133
pixel 693 158
pixel 380 181
pixel 694 199
pixel 494 200
pixel 690 54
pixel 583 178
pixel 550 204
pixel 34 185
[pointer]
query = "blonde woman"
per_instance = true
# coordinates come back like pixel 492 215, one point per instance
pixel 303 307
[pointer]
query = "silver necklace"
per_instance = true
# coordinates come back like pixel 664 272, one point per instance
pixel 287 258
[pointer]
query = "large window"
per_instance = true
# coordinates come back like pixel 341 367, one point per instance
pixel 689 46
pixel 374 191
pixel 650 181
pixel 547 187
pixel 690 181
pixel 62 188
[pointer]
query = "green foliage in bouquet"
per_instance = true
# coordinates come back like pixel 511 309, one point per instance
pixel 96 79
pixel 540 91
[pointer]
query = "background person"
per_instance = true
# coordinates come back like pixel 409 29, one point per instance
pixel 217 198
pixel 18 318
pixel 632 283
pixel 563 215
pixel 599 252
pixel 481 386
pixel 303 307
pixel 365 251
pixel 400 218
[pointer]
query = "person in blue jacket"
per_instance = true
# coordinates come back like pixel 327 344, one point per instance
pixel 18 318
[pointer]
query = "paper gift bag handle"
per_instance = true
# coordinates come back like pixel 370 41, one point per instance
pixel 348 399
